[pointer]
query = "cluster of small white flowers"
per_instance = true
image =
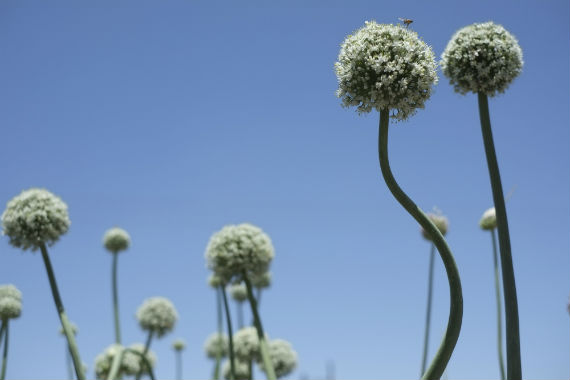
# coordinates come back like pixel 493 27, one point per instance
pixel 133 363
pixel 216 344
pixel 238 292
pixel 482 58
pixel 157 314
pixel 261 281
pixel 440 222
pixel 130 364
pixel 241 370
pixel 283 357
pixel 74 329
pixel 116 240
pixel 246 344
pixel 386 67
pixel 488 220
pixel 10 302
pixel 104 360
pixel 35 217
pixel 236 249
pixel 214 280
pixel 179 344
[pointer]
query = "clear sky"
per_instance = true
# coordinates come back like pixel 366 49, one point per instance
pixel 172 119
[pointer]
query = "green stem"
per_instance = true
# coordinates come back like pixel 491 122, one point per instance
pixel 5 353
pixel 267 365
pixel 144 353
pixel 178 365
pixel 3 331
pixel 449 340
pixel 68 363
pixel 514 371
pixel 216 374
pixel 65 324
pixel 230 333
pixel 116 299
pixel 116 364
pixel 144 360
pixel 250 369
pixel 499 313
pixel 428 309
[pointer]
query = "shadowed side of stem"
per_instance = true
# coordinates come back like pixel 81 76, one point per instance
pixel 5 328
pixel 230 331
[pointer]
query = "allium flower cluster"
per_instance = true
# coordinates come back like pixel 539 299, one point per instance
pixel 236 249
pixel 35 217
pixel 104 360
pixel 241 370
pixel 440 222
pixel 130 365
pixel 214 280
pixel 179 344
pixel 238 292
pixel 261 281
pixel 246 344
pixel 283 357
pixel 133 362
pixel 116 240
pixel 216 344
pixel 488 220
pixel 482 58
pixel 10 302
pixel 157 314
pixel 386 67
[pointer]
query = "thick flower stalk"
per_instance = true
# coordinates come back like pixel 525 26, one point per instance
pixel 34 220
pixel 116 240
pixel 10 308
pixel 178 345
pixel 390 69
pixel 484 59
pixel 283 357
pixel 69 364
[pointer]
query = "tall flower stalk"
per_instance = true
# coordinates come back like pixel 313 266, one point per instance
pixel 215 282
pixel 68 362
pixel 388 68
pixel 484 59
pixel 178 345
pixel 10 308
pixel 230 332
pixel 4 341
pixel 32 220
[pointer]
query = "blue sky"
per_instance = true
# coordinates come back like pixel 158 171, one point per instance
pixel 173 119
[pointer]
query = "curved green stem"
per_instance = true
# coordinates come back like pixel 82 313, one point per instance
pixel 499 313
pixel 428 309
pixel 116 364
pixel 216 375
pixel 144 353
pixel 5 353
pixel 65 324
pixel 267 364
pixel 230 333
pixel 116 299
pixel 447 345
pixel 144 360
pixel 514 371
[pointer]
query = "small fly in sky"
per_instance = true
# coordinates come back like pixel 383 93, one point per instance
pixel 406 21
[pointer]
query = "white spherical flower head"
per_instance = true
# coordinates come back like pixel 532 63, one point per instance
pixel 246 344
pixel 482 58
pixel 216 344
pixel 241 370
pixel 440 222
pixel 238 292
pixel 214 280
pixel 116 240
pixel 35 217
pixel 283 357
pixel 133 363
pixel 10 302
pixel 236 249
pixel 104 360
pixel 385 67
pixel 157 314
pixel 488 220
pixel 179 344
pixel 261 281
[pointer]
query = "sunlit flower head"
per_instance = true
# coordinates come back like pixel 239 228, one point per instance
pixel 488 220
pixel 216 344
pixel 246 344
pixel 133 362
pixel 104 360
pixel 241 370
pixel 74 329
pixel 238 292
pixel 261 281
pixel 10 302
pixel 157 314
pixel 35 217
pixel 130 365
pixel 384 66
pixel 283 357
pixel 214 280
pixel 236 249
pixel 179 344
pixel 440 222
pixel 116 240
pixel 482 58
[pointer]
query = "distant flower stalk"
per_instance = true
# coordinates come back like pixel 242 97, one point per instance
pixel 178 345
pixel 216 283
pixel 68 361
pixel 10 308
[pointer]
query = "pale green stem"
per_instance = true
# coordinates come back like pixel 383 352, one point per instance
pixel 179 364
pixel 499 313
pixel 68 363
pixel 5 353
pixel 65 324
pixel 428 309
pixel 144 353
pixel 514 371
pixel 230 331
pixel 116 299
pixel 447 345
pixel 266 359
pixel 116 365
pixel 219 312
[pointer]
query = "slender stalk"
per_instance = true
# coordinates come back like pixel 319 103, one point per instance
pixel 428 309
pixel 269 371
pixel 250 369
pixel 144 353
pixel 449 340
pixel 116 365
pixel 3 331
pixel 499 313
pixel 178 365
pixel 5 353
pixel 65 324
pixel 240 314
pixel 514 371
pixel 230 333
pixel 116 299
pixel 68 363
pixel 219 312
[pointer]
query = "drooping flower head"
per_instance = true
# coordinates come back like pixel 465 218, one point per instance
pixel 238 292
pixel 157 314
pixel 384 66
pixel 488 220
pixel 246 344
pixel 179 345
pixel 116 240
pixel 261 281
pixel 440 222
pixel 35 217
pixel 283 357
pixel 241 370
pixel 10 302
pixel 216 344
pixel 236 249
pixel 482 58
